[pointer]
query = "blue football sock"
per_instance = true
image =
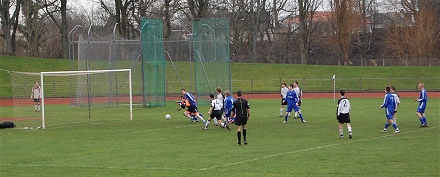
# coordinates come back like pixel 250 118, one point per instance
pixel 424 120
pixel 285 118
pixel 386 125
pixel 301 116
pixel 421 120
pixel 395 126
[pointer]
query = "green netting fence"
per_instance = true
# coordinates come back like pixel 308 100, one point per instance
pixel 211 57
pixel 153 64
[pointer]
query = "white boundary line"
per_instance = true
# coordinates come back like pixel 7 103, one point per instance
pixel 314 148
pixel 213 167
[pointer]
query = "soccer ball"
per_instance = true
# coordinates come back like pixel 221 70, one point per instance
pixel 167 116
pixel 223 125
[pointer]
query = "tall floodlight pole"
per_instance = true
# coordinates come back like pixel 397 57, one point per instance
pixel 72 56
pixel 190 36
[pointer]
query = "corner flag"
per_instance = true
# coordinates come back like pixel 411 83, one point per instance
pixel 334 87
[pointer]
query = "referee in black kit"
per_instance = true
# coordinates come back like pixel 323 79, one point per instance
pixel 241 110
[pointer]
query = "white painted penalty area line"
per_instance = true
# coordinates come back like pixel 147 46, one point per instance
pixel 212 167
pixel 314 148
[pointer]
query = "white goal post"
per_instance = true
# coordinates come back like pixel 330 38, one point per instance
pixel 98 86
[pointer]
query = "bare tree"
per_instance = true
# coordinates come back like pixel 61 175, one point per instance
pixel 119 13
pixel 276 39
pixel 198 8
pixel 363 40
pixel 52 8
pixel 415 38
pixel 33 27
pixel 9 23
pixel 306 9
pixel 346 25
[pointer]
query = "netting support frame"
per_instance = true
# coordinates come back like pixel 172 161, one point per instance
pixel 83 72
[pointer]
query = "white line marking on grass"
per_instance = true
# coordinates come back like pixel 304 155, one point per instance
pixel 213 167
pixel 314 148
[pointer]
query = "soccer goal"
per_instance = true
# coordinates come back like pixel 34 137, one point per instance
pixel 69 98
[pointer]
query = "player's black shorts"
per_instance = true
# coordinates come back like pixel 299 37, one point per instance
pixel 241 120
pixel 37 100
pixel 216 114
pixel 192 109
pixel 344 118
pixel 299 103
pixel 283 101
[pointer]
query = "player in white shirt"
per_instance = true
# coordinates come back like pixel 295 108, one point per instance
pixel 36 96
pixel 343 114
pixel 397 98
pixel 220 97
pixel 284 91
pixel 215 111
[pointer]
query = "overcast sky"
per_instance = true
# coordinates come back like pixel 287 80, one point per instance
pixel 86 6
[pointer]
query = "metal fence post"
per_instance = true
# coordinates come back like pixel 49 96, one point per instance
pixel 304 81
pixel 417 82
pixel 252 86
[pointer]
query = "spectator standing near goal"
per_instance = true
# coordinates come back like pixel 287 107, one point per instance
pixel 36 96
pixel 389 103
pixel 397 98
pixel 283 91
pixel 299 93
pixel 343 114
pixel 241 110
pixel 423 99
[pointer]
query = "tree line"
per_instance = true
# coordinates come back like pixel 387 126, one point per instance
pixel 346 32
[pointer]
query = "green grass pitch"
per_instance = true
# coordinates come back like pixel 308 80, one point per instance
pixel 150 145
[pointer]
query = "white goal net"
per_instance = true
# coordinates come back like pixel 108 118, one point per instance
pixel 69 98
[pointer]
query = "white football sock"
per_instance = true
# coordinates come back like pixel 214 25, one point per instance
pixel 201 118
pixel 207 123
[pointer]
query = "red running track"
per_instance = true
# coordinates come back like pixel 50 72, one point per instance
pixel 8 102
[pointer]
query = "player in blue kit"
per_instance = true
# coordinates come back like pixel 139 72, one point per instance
pixel 423 99
pixel 229 100
pixel 292 104
pixel 390 105
pixel 193 102
pixel 188 96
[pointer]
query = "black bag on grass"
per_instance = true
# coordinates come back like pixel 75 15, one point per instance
pixel 7 125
